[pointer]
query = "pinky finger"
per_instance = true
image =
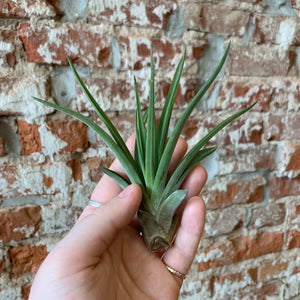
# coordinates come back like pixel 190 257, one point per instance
pixel 181 254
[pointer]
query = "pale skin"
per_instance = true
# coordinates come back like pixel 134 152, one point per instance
pixel 104 256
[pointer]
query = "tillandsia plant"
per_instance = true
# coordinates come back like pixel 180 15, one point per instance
pixel 149 165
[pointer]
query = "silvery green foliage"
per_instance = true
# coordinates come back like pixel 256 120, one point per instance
pixel 153 153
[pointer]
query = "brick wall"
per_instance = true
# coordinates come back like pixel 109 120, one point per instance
pixel 49 162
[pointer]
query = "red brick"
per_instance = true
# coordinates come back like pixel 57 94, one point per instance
pixel 260 60
pixel 284 186
pixel 26 290
pixel 283 127
pixel 216 19
pixel 73 132
pixel 293 239
pixel 246 191
pixel 232 277
pixel 2 266
pixel 19 223
pixel 150 13
pixel 238 249
pixel 29 137
pixel 272 269
pixel 75 165
pixel 237 95
pixel 48 181
pixel 26 259
pixel 2 148
pixel 250 276
pixel 52 43
pixel 271 215
pixel 264 292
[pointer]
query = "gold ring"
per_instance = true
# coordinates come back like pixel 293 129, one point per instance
pixel 176 273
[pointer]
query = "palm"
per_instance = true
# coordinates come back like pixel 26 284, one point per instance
pixel 126 270
pixel 131 271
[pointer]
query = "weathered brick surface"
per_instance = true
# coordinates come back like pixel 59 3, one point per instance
pixel 262 60
pixel 294 212
pixel 17 181
pixel 140 13
pixel 239 248
pixel 284 186
pixel 49 162
pixel 26 8
pixel 18 224
pixel 8 40
pixel 293 239
pixel 271 215
pixel 26 259
pixel 52 42
pixel 216 19
pixel 16 96
pixel 238 95
pixel 234 192
pixel 283 127
pixel 225 221
pixel 240 131
pixel 73 133
pixel 291 156
pixel 29 137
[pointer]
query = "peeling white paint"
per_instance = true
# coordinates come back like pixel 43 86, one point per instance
pixel 6 47
pixel 19 99
pixel 51 144
pixel 286 33
pixel 209 256
pixel 25 229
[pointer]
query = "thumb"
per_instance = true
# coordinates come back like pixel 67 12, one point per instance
pixel 93 234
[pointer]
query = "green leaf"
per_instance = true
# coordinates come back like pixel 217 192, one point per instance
pixel 145 115
pixel 115 134
pixel 151 149
pixel 182 171
pixel 168 107
pixel 115 176
pixel 168 208
pixel 191 156
pixel 162 171
pixel 114 147
pixel 140 131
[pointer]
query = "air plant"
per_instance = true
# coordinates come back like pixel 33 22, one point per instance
pixel 149 165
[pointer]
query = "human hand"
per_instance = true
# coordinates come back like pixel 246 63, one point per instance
pixel 104 256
